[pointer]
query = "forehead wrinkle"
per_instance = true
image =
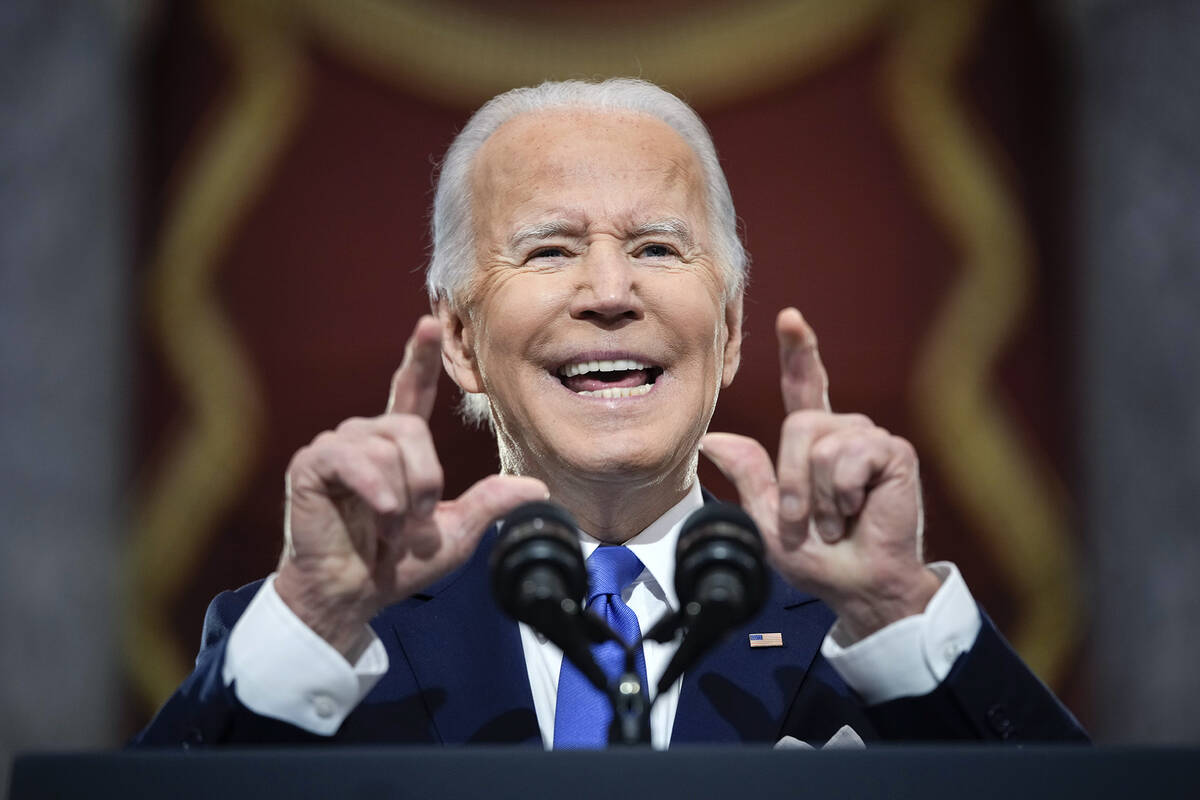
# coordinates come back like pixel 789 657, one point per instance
pixel 679 167
pixel 500 156
pixel 503 178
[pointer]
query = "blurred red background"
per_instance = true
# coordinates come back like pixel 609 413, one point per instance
pixel 319 276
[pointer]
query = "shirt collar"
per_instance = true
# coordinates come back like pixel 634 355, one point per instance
pixel 655 546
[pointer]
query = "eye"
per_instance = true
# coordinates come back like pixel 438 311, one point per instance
pixel 657 251
pixel 548 252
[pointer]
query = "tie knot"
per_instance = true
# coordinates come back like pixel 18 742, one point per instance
pixel 610 569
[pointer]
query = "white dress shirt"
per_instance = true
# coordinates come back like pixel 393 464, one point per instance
pixel 650 596
pixel 285 671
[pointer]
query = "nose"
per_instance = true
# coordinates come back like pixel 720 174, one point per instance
pixel 606 289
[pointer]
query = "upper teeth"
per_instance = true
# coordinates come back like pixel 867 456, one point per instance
pixel 619 365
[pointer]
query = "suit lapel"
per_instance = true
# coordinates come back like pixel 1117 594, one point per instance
pixel 738 693
pixel 467 658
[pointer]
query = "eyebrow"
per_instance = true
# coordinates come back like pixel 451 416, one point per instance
pixel 669 226
pixel 543 230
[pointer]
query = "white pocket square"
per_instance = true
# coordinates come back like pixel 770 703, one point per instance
pixel 844 739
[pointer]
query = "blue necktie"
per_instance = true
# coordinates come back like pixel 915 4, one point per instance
pixel 582 714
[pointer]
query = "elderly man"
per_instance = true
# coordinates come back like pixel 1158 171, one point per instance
pixel 587 283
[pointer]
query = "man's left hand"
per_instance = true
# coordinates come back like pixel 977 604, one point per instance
pixel 840 513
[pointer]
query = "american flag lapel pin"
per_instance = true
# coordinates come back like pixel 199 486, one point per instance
pixel 766 640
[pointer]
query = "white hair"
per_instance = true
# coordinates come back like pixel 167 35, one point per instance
pixel 452 263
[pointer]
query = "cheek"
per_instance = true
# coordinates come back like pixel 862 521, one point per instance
pixel 511 314
pixel 697 317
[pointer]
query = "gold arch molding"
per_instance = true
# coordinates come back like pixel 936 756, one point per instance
pixel 465 53
pixel 462 54
pixel 1002 481
pixel 205 464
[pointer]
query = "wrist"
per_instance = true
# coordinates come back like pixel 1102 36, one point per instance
pixel 338 614
pixel 871 611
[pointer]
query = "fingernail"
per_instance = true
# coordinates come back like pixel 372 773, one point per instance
pixel 425 506
pixel 790 507
pixel 829 527
pixel 792 536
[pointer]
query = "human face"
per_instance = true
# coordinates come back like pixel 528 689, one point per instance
pixel 593 245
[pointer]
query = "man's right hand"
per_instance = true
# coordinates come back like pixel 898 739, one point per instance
pixel 364 524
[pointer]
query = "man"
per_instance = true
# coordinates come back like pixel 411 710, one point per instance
pixel 587 285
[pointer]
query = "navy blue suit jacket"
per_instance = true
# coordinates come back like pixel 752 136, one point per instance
pixel 457 676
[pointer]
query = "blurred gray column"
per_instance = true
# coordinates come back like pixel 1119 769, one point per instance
pixel 64 275
pixel 1138 78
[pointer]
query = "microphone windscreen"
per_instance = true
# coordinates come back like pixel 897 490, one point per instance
pixel 720 536
pixel 720 579
pixel 535 537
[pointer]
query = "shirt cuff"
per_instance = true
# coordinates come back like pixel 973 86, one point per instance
pixel 911 656
pixel 280 668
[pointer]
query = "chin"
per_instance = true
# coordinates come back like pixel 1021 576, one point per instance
pixel 622 459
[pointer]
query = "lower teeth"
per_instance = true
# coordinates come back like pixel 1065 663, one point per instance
pixel 621 392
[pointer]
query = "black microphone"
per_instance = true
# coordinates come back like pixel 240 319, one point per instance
pixel 538 577
pixel 720 578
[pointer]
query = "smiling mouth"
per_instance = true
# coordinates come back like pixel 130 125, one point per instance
pixel 621 377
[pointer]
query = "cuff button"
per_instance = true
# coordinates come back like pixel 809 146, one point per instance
pixel 324 706
pixel 1000 722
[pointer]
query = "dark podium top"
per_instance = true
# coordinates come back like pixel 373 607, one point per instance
pixel 923 773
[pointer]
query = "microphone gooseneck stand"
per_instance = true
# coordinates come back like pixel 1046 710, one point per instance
pixel 537 571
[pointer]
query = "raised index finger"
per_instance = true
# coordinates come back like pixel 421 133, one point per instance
pixel 802 376
pixel 414 386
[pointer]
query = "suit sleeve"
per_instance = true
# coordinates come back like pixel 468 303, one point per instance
pixel 990 694
pixel 948 674
pixel 204 710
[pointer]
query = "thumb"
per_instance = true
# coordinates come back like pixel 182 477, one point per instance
pixel 747 465
pixel 491 498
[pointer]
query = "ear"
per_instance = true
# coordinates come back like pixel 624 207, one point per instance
pixel 458 346
pixel 733 344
